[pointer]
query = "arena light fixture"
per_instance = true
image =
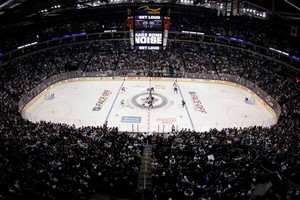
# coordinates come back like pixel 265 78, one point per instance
pixel 295 58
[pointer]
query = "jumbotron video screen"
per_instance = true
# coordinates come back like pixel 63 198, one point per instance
pixel 148 40
pixel 148 32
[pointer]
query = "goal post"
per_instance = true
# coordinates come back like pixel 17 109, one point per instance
pixel 49 96
pixel 249 100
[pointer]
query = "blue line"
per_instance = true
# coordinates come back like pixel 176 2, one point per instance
pixel 114 102
pixel 187 110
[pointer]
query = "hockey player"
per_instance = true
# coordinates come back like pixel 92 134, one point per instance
pixel 175 84
pixel 175 89
pixel 122 102
pixel 123 89
pixel 151 90
pixel 173 128
pixel 151 98
pixel 182 103
pixel 150 103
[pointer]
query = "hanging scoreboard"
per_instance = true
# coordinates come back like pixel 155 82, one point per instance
pixel 148 32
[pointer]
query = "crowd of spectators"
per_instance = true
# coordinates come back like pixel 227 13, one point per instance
pixel 260 32
pixel 224 164
pixel 50 161
pixel 12 38
pixel 264 72
pixel 54 161
pixel 60 160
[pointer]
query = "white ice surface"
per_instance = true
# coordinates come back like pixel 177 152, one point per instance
pixel 222 106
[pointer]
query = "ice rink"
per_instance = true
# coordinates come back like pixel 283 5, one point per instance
pixel 95 101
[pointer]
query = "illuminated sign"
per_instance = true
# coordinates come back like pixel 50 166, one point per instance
pixel 154 48
pixel 148 29
pixel 148 10
pixel 148 22
pixel 148 38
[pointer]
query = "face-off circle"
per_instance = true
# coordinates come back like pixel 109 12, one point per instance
pixel 158 102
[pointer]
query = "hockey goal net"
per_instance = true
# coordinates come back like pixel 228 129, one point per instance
pixel 249 100
pixel 49 96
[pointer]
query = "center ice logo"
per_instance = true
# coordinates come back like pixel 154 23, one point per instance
pixel 158 100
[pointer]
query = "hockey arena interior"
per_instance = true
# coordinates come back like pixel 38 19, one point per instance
pixel 150 100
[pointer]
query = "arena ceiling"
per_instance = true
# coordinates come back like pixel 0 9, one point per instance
pixel 285 8
pixel 22 11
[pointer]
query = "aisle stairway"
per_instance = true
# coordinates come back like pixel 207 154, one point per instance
pixel 145 171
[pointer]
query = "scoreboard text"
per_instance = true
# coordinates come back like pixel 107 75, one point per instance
pixel 148 22
pixel 148 32
pixel 148 37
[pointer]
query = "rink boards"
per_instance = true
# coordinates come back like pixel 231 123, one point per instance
pixel 95 101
